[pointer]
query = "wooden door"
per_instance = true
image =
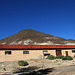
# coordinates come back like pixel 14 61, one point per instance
pixel 58 52
pixel 66 53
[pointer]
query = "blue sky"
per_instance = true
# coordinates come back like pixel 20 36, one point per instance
pixel 56 17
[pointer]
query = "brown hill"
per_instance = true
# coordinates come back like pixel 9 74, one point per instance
pixel 30 36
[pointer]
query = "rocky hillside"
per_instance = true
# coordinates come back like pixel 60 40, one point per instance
pixel 29 36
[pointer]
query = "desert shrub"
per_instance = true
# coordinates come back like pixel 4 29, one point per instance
pixel 67 58
pixel 22 63
pixel 59 57
pixel 51 57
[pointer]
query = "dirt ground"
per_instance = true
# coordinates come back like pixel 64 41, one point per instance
pixel 69 70
pixel 39 67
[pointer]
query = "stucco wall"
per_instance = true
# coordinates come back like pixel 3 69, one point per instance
pixel 18 55
pixel 69 52
pixel 52 52
pixel 33 54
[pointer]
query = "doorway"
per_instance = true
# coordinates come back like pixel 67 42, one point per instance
pixel 58 52
pixel 66 53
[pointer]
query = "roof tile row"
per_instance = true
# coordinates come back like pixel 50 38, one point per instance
pixel 35 46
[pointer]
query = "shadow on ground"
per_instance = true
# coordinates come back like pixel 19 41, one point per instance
pixel 28 69
pixel 31 71
pixel 39 72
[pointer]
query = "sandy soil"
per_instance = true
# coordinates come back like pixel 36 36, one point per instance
pixel 69 70
pixel 40 67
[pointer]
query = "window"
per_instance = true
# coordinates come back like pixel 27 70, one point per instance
pixel 7 52
pixel 25 52
pixel 73 51
pixel 45 51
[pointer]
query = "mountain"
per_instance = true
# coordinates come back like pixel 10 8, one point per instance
pixel 30 37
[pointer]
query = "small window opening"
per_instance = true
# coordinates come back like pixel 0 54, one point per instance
pixel 25 52
pixel 7 52
pixel 73 51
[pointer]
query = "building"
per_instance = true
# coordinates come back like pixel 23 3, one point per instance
pixel 24 52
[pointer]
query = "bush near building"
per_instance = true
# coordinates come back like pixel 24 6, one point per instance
pixel 59 57
pixel 51 57
pixel 22 63
pixel 67 58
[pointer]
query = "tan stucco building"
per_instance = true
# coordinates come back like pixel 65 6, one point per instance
pixel 24 52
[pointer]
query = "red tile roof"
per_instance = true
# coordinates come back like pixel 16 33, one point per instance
pixel 37 46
